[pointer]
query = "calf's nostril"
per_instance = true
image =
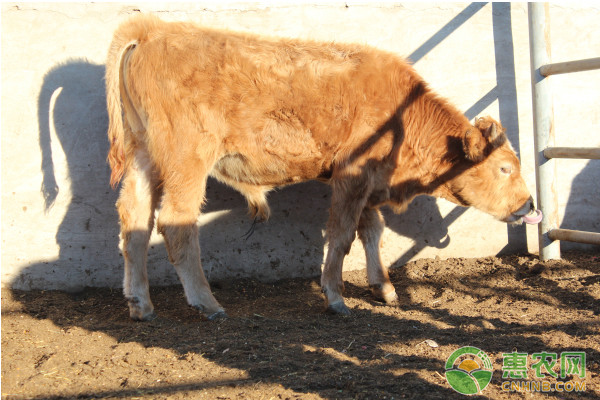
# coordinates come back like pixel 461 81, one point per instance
pixel 531 204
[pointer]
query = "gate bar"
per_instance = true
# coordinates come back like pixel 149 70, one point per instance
pixel 589 153
pixel 575 236
pixel 570 66
pixel 543 125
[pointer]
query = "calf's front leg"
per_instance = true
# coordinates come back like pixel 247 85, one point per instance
pixel 347 202
pixel 183 197
pixel 184 253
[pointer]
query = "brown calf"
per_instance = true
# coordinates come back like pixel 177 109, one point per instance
pixel 186 102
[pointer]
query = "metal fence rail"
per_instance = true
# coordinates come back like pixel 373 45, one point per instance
pixel 588 153
pixel 570 66
pixel 549 233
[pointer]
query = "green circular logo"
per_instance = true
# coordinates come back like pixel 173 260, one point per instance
pixel 468 370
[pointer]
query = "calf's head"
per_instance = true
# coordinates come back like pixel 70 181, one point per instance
pixel 488 175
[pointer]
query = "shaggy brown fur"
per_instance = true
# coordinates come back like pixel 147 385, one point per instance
pixel 186 102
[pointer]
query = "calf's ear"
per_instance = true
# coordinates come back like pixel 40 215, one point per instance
pixel 482 138
pixel 489 128
pixel 492 131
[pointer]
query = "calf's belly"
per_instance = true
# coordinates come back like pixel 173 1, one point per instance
pixel 266 169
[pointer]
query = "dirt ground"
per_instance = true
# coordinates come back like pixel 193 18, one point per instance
pixel 278 344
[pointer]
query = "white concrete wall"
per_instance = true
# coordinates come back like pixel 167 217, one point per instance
pixel 59 225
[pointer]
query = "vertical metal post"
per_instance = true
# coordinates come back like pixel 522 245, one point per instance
pixel 543 124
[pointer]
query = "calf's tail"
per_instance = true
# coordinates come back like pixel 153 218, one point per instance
pixel 125 40
pixel 116 131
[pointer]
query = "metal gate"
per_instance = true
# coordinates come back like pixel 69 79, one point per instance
pixel 549 233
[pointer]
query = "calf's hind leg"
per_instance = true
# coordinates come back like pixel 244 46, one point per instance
pixel 136 205
pixel 370 229
pixel 177 223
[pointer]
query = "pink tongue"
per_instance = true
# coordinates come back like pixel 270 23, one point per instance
pixel 535 217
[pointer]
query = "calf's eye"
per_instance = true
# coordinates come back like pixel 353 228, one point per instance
pixel 506 170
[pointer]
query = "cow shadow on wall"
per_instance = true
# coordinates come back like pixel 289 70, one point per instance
pixel 72 120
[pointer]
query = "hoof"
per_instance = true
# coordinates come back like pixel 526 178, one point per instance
pixel 338 308
pixel 140 310
pixel 390 297
pixel 218 315
pixel 145 318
